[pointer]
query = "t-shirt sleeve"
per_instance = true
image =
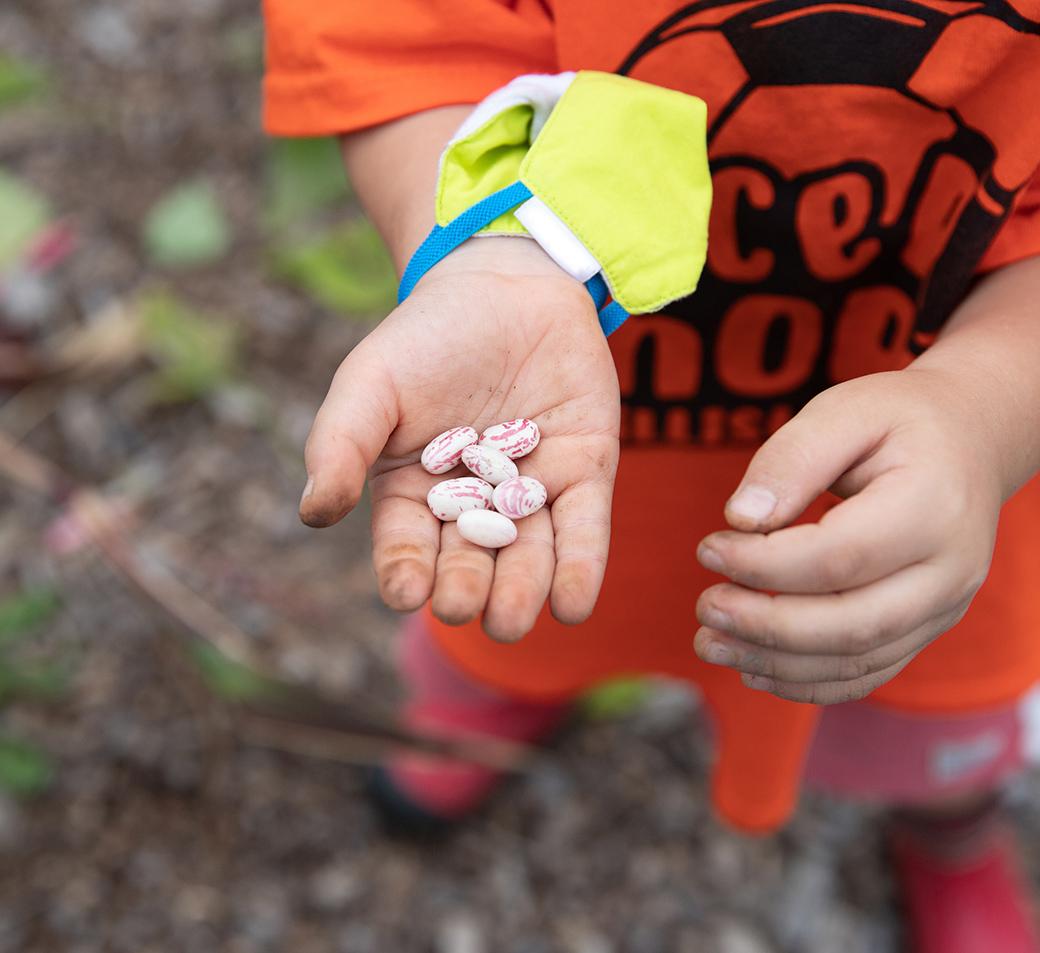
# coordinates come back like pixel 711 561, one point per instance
pixel 1020 236
pixel 334 66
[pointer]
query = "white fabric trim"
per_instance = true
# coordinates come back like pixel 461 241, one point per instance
pixel 542 91
pixel 559 242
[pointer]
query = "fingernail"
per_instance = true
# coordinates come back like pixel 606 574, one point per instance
pixel 758 682
pixel 716 618
pixel 711 560
pixel 753 502
pixel 719 654
pixel 307 490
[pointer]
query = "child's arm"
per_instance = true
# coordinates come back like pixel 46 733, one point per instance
pixel 925 457
pixel 495 331
pixel 393 167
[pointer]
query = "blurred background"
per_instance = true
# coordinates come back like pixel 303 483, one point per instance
pixel 191 682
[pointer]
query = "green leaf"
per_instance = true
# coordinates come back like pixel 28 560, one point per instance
pixel 229 679
pixel 196 353
pixel 616 698
pixel 303 176
pixel 23 213
pixel 347 269
pixel 24 769
pixel 26 610
pixel 20 81
pixel 40 681
pixel 187 227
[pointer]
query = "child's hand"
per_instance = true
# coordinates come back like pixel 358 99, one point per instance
pixel 496 331
pixel 883 573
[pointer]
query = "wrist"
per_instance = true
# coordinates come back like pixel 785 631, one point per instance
pixel 979 417
pixel 989 352
pixel 502 270
pixel 512 256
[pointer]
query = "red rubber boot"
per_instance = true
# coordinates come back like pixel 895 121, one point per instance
pixel 421 794
pixel 961 884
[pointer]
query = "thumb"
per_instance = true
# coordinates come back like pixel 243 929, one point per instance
pixel 805 457
pixel 350 430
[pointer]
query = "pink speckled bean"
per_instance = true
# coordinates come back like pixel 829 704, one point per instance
pixel 450 498
pixel 491 465
pixel 444 451
pixel 519 497
pixel 515 438
pixel 486 528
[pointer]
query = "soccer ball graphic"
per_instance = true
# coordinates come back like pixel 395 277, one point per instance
pixel 861 165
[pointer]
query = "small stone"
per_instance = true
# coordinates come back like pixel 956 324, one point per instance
pixel 459 933
pixel 734 937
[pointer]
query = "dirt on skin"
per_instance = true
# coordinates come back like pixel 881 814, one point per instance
pixel 161 829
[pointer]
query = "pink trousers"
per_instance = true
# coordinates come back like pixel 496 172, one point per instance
pixel 861 750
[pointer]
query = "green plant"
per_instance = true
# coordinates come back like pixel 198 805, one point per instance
pixel 195 354
pixel 229 679
pixel 346 269
pixel 23 213
pixel 304 177
pixel 615 699
pixel 26 769
pixel 20 81
pixel 187 227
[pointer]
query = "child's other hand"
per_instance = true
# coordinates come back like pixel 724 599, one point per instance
pixel 886 571
pixel 496 331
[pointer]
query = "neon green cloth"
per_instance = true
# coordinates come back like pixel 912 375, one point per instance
pixel 484 162
pixel 621 162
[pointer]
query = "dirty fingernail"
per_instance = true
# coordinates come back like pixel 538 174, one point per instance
pixel 719 654
pixel 758 682
pixel 711 560
pixel 753 503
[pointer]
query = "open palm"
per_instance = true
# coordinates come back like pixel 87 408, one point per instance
pixel 489 335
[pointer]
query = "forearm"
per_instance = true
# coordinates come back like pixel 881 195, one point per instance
pixel 990 353
pixel 393 168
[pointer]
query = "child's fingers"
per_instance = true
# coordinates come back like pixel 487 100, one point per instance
pixel 350 430
pixel 581 520
pixel 721 648
pixel 523 577
pixel 852 623
pixel 463 580
pixel 826 693
pixel 803 459
pixel 405 541
pixel 886 526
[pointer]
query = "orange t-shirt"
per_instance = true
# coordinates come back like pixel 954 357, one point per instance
pixel 868 161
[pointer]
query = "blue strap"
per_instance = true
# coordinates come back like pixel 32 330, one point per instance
pixel 444 240
pixel 597 286
pixel 612 317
